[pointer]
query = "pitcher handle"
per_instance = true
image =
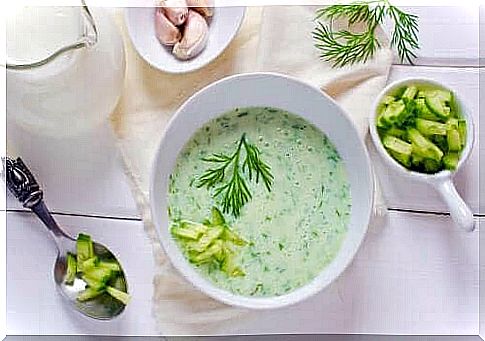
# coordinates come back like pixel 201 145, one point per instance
pixel 89 38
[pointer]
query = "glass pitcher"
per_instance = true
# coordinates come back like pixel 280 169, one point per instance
pixel 65 68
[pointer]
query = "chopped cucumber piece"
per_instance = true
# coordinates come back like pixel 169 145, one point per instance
pixel 427 127
pixel 424 112
pixel 84 246
pixel 452 123
pixel 121 296
pixel 396 132
pixel 88 293
pixel 424 147
pixel 118 282
pixel 110 265
pixel 393 112
pixel 233 237
pixel 381 122
pixel 410 92
pixel 431 166
pixel 90 264
pixel 454 141
pixel 217 217
pixel 417 160
pixel 397 145
pixel 437 106
pixel 189 229
pixel 388 100
pixel 71 268
pixel 201 245
pixel 208 254
pixel 229 267
pixel 450 161
pixel 403 159
pixel 185 233
pixel 462 131
pixel 94 283
pixel 99 274
pixel 440 141
pixel 201 228
pixel 442 95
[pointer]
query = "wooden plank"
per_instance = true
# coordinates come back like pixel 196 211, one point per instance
pixel 79 175
pixel 448 35
pixel 408 194
pixel 415 274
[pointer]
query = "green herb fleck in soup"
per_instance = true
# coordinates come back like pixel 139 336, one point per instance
pixel 290 227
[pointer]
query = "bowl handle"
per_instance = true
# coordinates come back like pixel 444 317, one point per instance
pixel 460 212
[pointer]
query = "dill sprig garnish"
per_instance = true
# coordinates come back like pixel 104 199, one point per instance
pixel 235 192
pixel 346 48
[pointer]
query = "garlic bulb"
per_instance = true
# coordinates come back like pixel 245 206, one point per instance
pixel 167 33
pixel 194 38
pixel 175 10
pixel 204 7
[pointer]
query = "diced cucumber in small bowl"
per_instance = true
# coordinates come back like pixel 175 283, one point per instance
pixel 423 130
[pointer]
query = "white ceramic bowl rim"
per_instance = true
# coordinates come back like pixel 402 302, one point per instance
pixel 361 209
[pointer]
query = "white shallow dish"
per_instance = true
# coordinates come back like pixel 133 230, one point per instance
pixel 223 26
pixel 273 90
pixel 443 180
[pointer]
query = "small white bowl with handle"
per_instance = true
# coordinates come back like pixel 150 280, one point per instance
pixel 442 181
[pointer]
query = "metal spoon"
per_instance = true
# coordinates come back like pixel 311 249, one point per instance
pixel 25 188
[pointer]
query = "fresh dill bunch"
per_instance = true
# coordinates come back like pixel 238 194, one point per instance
pixel 227 177
pixel 346 48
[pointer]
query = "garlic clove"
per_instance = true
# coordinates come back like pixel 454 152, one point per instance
pixel 195 36
pixel 167 33
pixel 204 7
pixel 175 10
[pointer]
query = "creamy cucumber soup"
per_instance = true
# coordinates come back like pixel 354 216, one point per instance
pixel 266 220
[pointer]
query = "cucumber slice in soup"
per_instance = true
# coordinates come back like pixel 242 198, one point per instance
pixel 208 254
pixel 201 245
pixel 217 217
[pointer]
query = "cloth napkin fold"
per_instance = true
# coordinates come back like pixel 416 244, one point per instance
pixel 274 39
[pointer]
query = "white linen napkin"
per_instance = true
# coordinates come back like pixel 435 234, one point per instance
pixel 274 39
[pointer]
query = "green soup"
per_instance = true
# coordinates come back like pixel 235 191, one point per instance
pixel 293 231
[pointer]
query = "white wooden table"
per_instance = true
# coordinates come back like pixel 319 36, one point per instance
pixel 416 275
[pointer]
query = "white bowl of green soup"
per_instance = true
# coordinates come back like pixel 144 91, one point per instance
pixel 261 190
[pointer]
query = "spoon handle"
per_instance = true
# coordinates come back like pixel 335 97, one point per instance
pixel 22 184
